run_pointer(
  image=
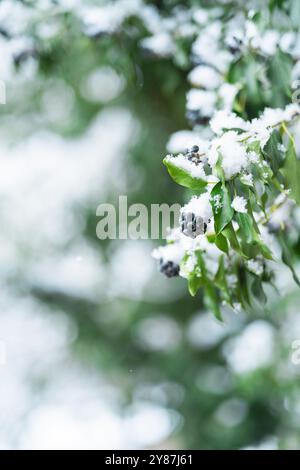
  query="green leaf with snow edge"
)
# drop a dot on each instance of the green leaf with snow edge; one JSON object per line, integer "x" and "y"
{"x": 194, "y": 283}
{"x": 197, "y": 278}
{"x": 221, "y": 243}
{"x": 221, "y": 206}
{"x": 183, "y": 177}
{"x": 230, "y": 235}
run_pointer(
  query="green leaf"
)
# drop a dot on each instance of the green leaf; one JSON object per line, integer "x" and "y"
{"x": 258, "y": 291}
{"x": 251, "y": 204}
{"x": 221, "y": 280}
{"x": 242, "y": 290}
{"x": 253, "y": 74}
{"x": 287, "y": 257}
{"x": 221, "y": 243}
{"x": 252, "y": 244}
{"x": 182, "y": 177}
{"x": 264, "y": 200}
{"x": 291, "y": 171}
{"x": 212, "y": 300}
{"x": 230, "y": 234}
{"x": 280, "y": 76}
{"x": 272, "y": 153}
{"x": 221, "y": 206}
{"x": 197, "y": 279}
{"x": 266, "y": 252}
{"x": 194, "y": 283}
{"x": 246, "y": 228}
{"x": 211, "y": 297}
{"x": 254, "y": 147}
{"x": 276, "y": 3}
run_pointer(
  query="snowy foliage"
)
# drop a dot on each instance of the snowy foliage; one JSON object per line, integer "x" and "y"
{"x": 238, "y": 152}
{"x": 242, "y": 159}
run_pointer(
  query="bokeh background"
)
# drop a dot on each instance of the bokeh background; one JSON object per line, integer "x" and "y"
{"x": 97, "y": 349}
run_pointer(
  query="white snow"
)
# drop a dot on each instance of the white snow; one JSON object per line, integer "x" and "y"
{"x": 239, "y": 204}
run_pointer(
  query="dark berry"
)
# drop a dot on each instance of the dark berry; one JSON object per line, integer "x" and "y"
{"x": 169, "y": 268}
{"x": 192, "y": 225}
{"x": 196, "y": 117}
